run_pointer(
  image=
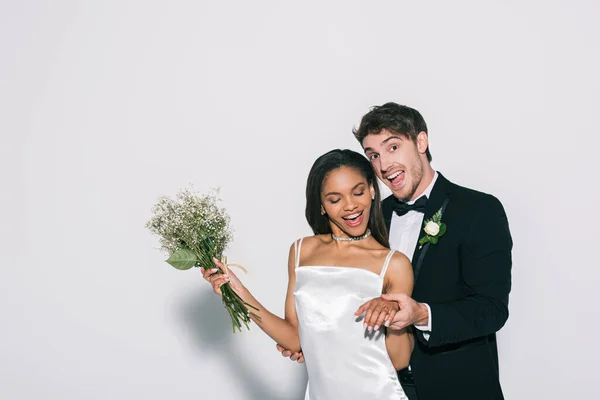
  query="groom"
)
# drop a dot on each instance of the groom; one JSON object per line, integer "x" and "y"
{"x": 462, "y": 275}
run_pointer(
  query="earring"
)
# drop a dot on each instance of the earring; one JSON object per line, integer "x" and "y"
{"x": 322, "y": 211}
{"x": 372, "y": 197}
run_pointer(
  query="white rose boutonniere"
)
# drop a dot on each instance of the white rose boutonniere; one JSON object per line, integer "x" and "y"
{"x": 434, "y": 228}
{"x": 431, "y": 228}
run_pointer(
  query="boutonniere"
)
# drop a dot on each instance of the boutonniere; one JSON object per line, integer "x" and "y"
{"x": 434, "y": 228}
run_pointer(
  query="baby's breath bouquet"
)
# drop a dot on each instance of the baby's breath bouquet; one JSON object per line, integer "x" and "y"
{"x": 193, "y": 229}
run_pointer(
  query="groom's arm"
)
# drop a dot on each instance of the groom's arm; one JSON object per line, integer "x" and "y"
{"x": 486, "y": 270}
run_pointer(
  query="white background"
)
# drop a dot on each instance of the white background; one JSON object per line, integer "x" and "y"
{"x": 107, "y": 105}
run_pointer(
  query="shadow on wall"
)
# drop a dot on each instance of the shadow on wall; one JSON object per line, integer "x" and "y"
{"x": 199, "y": 308}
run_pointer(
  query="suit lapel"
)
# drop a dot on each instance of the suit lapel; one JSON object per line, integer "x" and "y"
{"x": 437, "y": 200}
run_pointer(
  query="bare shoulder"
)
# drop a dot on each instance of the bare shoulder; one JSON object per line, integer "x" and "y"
{"x": 312, "y": 242}
{"x": 400, "y": 264}
{"x": 307, "y": 244}
{"x": 399, "y": 276}
{"x": 398, "y": 258}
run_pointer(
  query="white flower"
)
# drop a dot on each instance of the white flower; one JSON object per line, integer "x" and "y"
{"x": 432, "y": 228}
{"x": 191, "y": 221}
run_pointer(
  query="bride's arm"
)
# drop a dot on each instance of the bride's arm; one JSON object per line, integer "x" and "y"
{"x": 400, "y": 343}
{"x": 283, "y": 331}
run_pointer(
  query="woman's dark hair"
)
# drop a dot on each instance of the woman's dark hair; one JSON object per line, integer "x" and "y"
{"x": 322, "y": 167}
{"x": 401, "y": 120}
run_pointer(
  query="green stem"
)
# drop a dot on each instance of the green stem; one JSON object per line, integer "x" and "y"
{"x": 235, "y": 305}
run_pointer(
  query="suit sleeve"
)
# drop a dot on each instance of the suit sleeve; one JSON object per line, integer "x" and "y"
{"x": 485, "y": 258}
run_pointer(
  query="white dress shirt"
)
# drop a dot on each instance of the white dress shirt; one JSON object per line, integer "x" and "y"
{"x": 404, "y": 235}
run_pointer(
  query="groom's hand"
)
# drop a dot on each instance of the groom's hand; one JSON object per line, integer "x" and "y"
{"x": 294, "y": 357}
{"x": 411, "y": 312}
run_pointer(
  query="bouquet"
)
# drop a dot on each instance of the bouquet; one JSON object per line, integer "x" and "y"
{"x": 192, "y": 230}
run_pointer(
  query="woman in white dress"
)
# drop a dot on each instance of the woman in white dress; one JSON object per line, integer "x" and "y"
{"x": 345, "y": 267}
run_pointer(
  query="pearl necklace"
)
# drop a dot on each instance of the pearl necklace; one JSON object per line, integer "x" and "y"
{"x": 350, "y": 239}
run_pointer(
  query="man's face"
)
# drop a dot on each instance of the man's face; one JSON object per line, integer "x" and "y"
{"x": 397, "y": 161}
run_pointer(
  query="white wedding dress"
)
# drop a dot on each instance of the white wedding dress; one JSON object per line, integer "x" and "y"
{"x": 343, "y": 359}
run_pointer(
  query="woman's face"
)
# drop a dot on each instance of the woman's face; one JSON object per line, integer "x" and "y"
{"x": 346, "y": 198}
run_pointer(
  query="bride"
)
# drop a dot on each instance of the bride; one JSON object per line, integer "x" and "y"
{"x": 333, "y": 309}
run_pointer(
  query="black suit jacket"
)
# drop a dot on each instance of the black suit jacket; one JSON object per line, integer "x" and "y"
{"x": 465, "y": 278}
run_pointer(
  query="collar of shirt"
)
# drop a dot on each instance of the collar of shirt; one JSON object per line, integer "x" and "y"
{"x": 428, "y": 190}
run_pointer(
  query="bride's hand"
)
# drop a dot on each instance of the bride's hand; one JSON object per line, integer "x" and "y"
{"x": 299, "y": 357}
{"x": 378, "y": 312}
{"x": 217, "y": 278}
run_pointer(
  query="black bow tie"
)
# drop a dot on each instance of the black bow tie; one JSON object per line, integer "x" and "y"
{"x": 402, "y": 208}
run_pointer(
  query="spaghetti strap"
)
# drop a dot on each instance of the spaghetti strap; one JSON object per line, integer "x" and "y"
{"x": 297, "y": 248}
{"x": 387, "y": 262}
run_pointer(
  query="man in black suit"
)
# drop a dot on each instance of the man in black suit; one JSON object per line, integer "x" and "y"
{"x": 461, "y": 261}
